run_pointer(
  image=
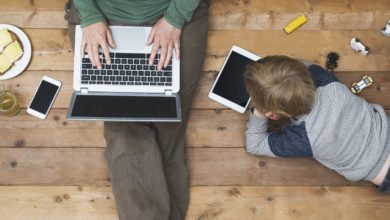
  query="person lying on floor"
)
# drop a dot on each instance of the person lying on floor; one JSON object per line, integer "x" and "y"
{"x": 327, "y": 121}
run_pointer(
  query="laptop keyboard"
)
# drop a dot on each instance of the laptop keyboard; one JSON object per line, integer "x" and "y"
{"x": 126, "y": 69}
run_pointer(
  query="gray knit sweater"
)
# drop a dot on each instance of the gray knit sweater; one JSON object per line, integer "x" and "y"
{"x": 343, "y": 132}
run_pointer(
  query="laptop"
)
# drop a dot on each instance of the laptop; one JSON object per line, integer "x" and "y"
{"x": 129, "y": 89}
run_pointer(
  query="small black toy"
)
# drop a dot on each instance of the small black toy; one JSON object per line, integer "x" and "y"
{"x": 331, "y": 61}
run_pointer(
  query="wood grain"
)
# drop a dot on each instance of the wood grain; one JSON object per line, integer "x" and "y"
{"x": 309, "y": 45}
{"x": 52, "y": 46}
{"x": 206, "y": 128}
{"x": 53, "y": 166}
{"x": 25, "y": 85}
{"x": 224, "y": 128}
{"x": 25, "y": 130}
{"x": 231, "y": 203}
{"x": 60, "y": 203}
{"x": 274, "y": 15}
{"x": 56, "y": 168}
{"x": 207, "y": 166}
{"x": 230, "y": 14}
{"x": 227, "y": 203}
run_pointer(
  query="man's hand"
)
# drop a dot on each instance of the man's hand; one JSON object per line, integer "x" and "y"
{"x": 95, "y": 36}
{"x": 166, "y": 37}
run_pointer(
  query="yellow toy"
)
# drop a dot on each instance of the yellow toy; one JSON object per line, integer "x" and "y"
{"x": 295, "y": 24}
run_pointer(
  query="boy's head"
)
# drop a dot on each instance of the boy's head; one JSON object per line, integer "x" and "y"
{"x": 280, "y": 86}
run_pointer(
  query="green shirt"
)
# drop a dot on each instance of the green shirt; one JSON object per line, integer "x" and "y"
{"x": 176, "y": 12}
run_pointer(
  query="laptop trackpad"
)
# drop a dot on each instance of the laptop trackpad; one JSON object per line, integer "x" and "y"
{"x": 129, "y": 38}
{"x": 117, "y": 106}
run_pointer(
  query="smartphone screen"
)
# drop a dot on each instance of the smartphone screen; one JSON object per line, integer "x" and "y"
{"x": 44, "y": 97}
{"x": 230, "y": 83}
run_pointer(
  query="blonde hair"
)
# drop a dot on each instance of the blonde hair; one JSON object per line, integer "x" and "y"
{"x": 280, "y": 84}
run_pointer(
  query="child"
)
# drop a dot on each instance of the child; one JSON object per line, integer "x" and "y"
{"x": 327, "y": 121}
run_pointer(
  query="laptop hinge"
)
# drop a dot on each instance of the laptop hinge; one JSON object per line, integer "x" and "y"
{"x": 83, "y": 90}
{"x": 168, "y": 92}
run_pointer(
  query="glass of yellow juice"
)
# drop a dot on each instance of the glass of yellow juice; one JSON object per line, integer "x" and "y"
{"x": 9, "y": 105}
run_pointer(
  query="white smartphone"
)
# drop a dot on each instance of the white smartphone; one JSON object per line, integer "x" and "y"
{"x": 44, "y": 97}
{"x": 229, "y": 87}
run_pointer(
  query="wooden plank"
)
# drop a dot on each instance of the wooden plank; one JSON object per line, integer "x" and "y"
{"x": 53, "y": 166}
{"x": 52, "y": 49}
{"x": 35, "y": 18}
{"x": 25, "y": 130}
{"x": 230, "y": 14}
{"x": 206, "y": 128}
{"x": 274, "y": 15}
{"x": 318, "y": 44}
{"x": 233, "y": 166}
{"x": 52, "y": 46}
{"x": 63, "y": 202}
{"x": 20, "y": 5}
{"x": 299, "y": 5}
{"x": 287, "y": 203}
{"x": 212, "y": 202}
{"x": 34, "y": 13}
{"x": 223, "y": 129}
{"x": 219, "y": 128}
{"x": 207, "y": 166}
{"x": 25, "y": 86}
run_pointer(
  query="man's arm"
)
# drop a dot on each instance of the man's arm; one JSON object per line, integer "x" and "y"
{"x": 180, "y": 11}
{"x": 165, "y": 34}
{"x": 89, "y": 12}
{"x": 95, "y": 31}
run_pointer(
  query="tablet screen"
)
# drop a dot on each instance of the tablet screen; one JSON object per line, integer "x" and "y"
{"x": 230, "y": 83}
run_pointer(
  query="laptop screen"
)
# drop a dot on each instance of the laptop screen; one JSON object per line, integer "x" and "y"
{"x": 124, "y": 106}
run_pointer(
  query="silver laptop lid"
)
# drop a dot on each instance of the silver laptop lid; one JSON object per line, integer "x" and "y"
{"x": 128, "y": 40}
{"x": 125, "y": 107}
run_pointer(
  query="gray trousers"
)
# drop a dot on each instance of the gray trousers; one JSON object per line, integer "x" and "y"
{"x": 147, "y": 161}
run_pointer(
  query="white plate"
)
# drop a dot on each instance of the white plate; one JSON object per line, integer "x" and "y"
{"x": 22, "y": 63}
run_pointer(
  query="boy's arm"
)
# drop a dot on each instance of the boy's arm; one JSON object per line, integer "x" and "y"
{"x": 292, "y": 141}
{"x": 89, "y": 12}
{"x": 321, "y": 76}
{"x": 256, "y": 136}
{"x": 180, "y": 11}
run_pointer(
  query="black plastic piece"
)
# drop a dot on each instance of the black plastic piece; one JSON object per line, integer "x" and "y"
{"x": 331, "y": 61}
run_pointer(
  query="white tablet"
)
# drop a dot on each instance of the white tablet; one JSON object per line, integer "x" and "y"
{"x": 229, "y": 87}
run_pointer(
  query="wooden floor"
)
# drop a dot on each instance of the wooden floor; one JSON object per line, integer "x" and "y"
{"x": 54, "y": 169}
